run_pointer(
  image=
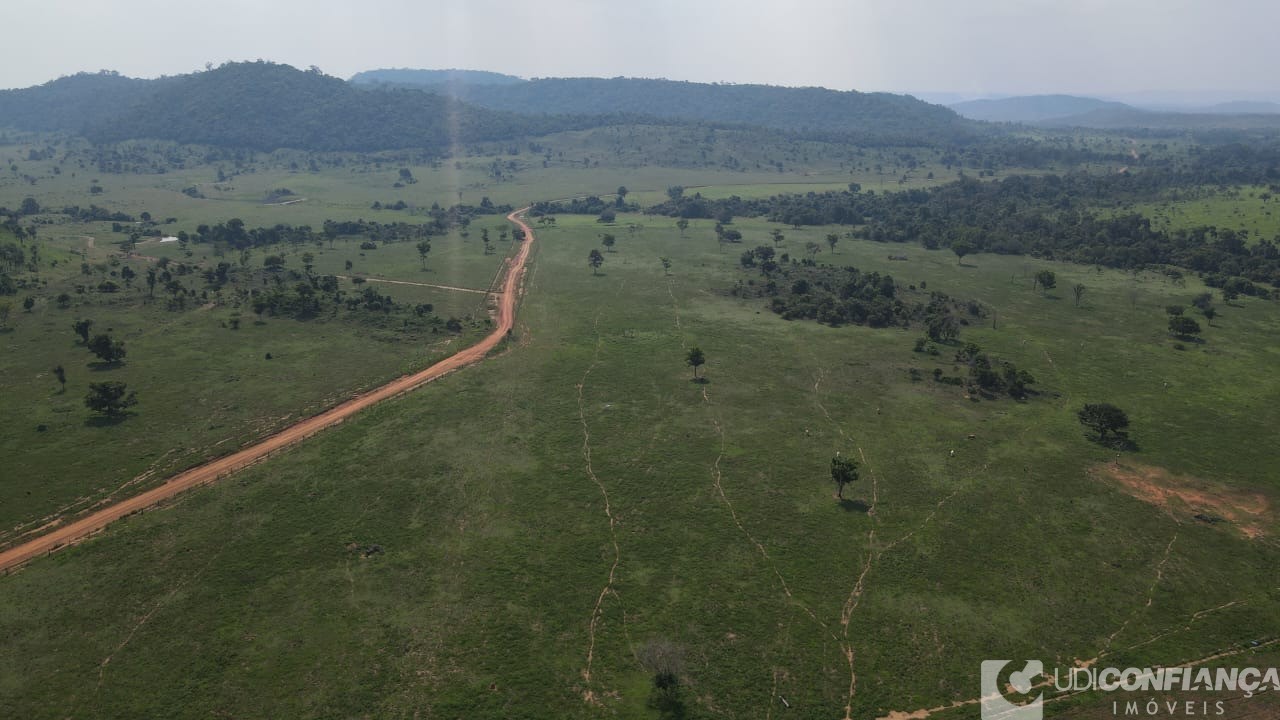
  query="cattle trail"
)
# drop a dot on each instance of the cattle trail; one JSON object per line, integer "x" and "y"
{"x": 588, "y": 694}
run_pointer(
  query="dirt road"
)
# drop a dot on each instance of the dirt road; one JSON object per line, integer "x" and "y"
{"x": 217, "y": 469}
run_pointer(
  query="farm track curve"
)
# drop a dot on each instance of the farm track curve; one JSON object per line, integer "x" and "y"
{"x": 77, "y": 530}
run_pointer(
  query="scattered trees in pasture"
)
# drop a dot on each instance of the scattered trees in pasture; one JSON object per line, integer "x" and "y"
{"x": 110, "y": 398}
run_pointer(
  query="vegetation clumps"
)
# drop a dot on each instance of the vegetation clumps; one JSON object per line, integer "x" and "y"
{"x": 590, "y": 205}
{"x": 807, "y": 290}
{"x": 990, "y": 377}
{"x": 110, "y": 398}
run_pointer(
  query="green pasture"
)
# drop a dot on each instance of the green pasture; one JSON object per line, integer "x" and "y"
{"x": 510, "y": 540}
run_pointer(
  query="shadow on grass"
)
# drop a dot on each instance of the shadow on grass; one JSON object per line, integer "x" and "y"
{"x": 100, "y": 366}
{"x": 668, "y": 704}
{"x": 700, "y": 381}
{"x": 105, "y": 420}
{"x": 859, "y": 506}
{"x": 6, "y": 330}
{"x": 1121, "y": 442}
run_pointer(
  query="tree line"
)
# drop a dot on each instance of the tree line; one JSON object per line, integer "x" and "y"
{"x": 1046, "y": 216}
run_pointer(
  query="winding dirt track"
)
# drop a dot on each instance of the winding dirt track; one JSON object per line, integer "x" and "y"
{"x": 222, "y": 467}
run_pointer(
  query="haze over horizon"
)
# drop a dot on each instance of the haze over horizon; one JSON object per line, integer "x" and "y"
{"x": 930, "y": 47}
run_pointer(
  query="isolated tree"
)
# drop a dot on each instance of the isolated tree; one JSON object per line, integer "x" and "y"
{"x": 621, "y": 198}
{"x": 664, "y": 659}
{"x": 424, "y": 247}
{"x": 1045, "y": 280}
{"x": 110, "y": 398}
{"x": 608, "y": 241}
{"x": 28, "y": 303}
{"x": 151, "y": 282}
{"x": 695, "y": 358}
{"x": 608, "y": 216}
{"x": 82, "y": 328}
{"x": 843, "y": 472}
{"x": 1183, "y": 326}
{"x": 1202, "y": 301}
{"x": 1209, "y": 314}
{"x": 6, "y": 307}
{"x": 1174, "y": 309}
{"x": 832, "y": 239}
{"x": 682, "y": 224}
{"x": 777, "y": 236}
{"x": 108, "y": 350}
{"x": 1103, "y": 418}
{"x": 308, "y": 262}
{"x": 666, "y": 265}
{"x": 813, "y": 249}
{"x": 595, "y": 260}
{"x": 61, "y": 374}
{"x": 961, "y": 248}
{"x": 1078, "y": 291}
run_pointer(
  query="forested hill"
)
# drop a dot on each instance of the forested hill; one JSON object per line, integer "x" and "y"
{"x": 874, "y": 118}
{"x": 264, "y": 106}
{"x": 66, "y": 103}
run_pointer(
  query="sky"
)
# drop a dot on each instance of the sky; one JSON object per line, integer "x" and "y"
{"x": 969, "y": 48}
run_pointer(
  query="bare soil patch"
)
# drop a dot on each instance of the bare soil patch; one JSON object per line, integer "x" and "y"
{"x": 1189, "y": 498}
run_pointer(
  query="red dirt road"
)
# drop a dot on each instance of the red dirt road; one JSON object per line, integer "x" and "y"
{"x": 222, "y": 467}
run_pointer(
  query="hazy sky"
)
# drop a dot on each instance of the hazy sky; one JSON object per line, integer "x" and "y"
{"x": 971, "y": 47}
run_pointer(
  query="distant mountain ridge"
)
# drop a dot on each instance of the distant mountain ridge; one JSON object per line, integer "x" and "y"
{"x": 1242, "y": 107}
{"x": 1086, "y": 112}
{"x": 876, "y": 117}
{"x": 1033, "y": 108}
{"x": 407, "y": 76}
{"x": 1128, "y": 117}
{"x": 263, "y": 105}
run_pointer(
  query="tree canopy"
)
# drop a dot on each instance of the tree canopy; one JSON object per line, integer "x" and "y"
{"x": 1103, "y": 418}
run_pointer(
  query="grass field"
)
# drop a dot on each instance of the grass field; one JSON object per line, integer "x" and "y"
{"x": 194, "y": 358}
{"x": 1250, "y": 209}
{"x": 542, "y": 518}
{"x": 205, "y": 384}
